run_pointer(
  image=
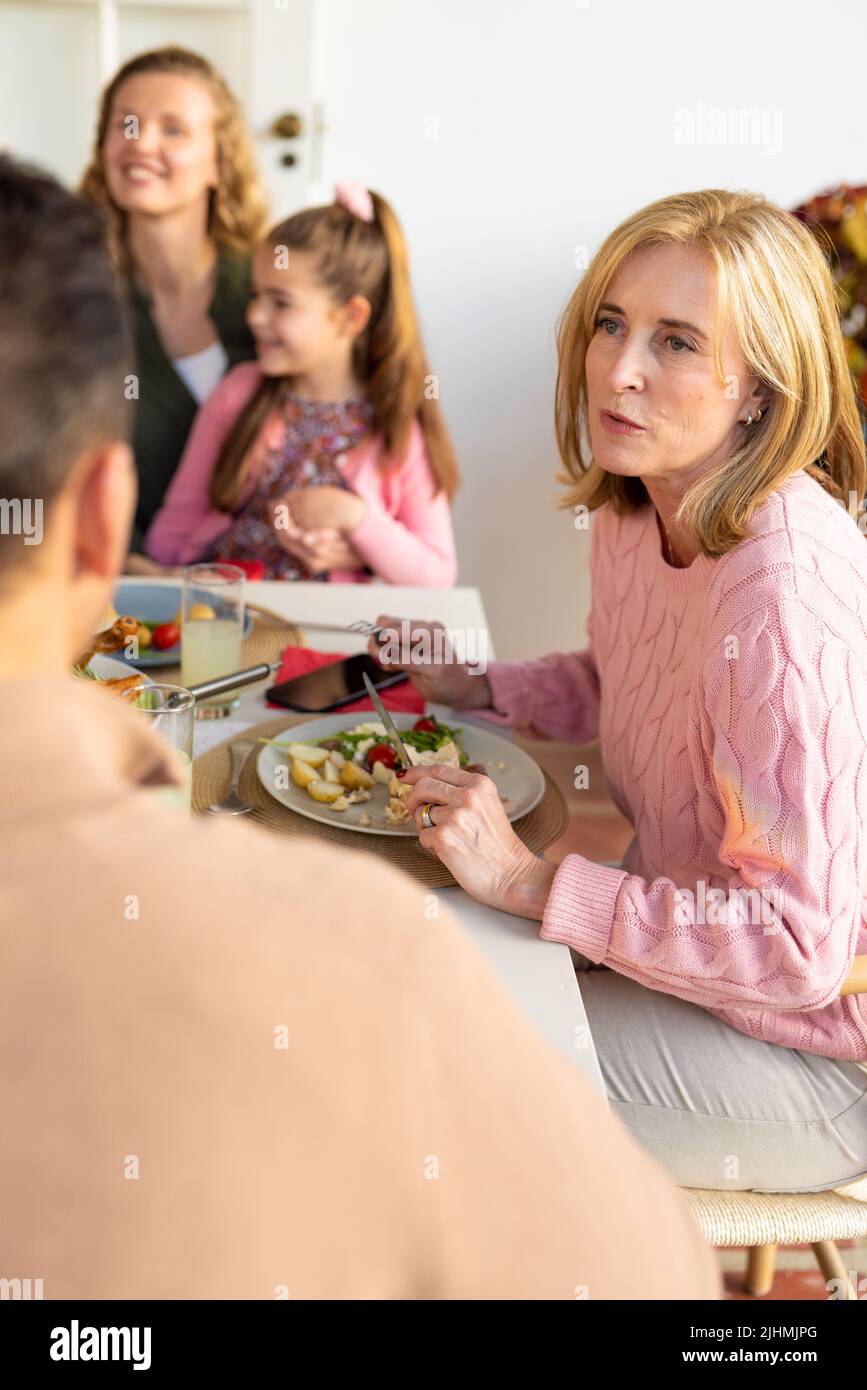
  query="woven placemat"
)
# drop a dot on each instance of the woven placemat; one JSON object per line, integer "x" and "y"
{"x": 268, "y": 637}
{"x": 211, "y": 775}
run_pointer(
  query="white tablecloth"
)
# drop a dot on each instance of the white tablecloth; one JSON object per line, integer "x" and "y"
{"x": 539, "y": 974}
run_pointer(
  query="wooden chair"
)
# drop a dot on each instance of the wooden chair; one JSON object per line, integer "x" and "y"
{"x": 764, "y": 1220}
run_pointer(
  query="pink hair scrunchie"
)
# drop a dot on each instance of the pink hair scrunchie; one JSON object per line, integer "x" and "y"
{"x": 356, "y": 199}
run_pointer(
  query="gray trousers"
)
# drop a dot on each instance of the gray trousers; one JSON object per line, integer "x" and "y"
{"x": 715, "y": 1107}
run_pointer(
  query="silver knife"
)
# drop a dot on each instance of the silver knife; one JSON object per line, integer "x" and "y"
{"x": 387, "y": 720}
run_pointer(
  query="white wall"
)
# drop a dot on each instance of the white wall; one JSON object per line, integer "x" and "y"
{"x": 555, "y": 120}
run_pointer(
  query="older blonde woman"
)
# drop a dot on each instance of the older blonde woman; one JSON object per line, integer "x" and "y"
{"x": 174, "y": 171}
{"x": 707, "y": 419}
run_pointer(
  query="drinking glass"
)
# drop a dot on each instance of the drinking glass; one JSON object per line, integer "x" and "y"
{"x": 169, "y": 708}
{"x": 212, "y": 625}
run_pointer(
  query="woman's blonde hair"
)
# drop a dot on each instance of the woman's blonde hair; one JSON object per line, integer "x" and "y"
{"x": 351, "y": 256}
{"x": 775, "y": 288}
{"x": 238, "y": 213}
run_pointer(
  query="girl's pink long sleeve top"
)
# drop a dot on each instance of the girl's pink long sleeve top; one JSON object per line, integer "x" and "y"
{"x": 730, "y": 699}
{"x": 406, "y": 536}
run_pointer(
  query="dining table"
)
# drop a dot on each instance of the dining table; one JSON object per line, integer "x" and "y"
{"x": 540, "y": 975}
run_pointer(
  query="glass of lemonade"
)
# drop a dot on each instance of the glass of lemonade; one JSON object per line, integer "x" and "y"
{"x": 212, "y": 625}
{"x": 170, "y": 710}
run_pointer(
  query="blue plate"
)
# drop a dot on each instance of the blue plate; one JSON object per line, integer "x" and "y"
{"x": 154, "y": 603}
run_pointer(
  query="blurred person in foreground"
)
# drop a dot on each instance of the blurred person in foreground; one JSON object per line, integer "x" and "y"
{"x": 234, "y": 1065}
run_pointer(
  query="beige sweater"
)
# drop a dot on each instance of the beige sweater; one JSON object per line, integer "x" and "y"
{"x": 414, "y": 1138}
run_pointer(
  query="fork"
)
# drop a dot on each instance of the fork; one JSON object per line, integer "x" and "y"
{"x": 232, "y": 805}
{"x": 361, "y": 626}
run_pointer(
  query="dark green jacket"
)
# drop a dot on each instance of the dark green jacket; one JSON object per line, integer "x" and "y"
{"x": 165, "y": 409}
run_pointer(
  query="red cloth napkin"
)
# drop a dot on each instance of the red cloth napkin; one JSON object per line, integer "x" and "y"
{"x": 253, "y": 569}
{"x": 296, "y": 661}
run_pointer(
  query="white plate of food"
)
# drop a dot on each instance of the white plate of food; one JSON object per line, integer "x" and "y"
{"x": 109, "y": 668}
{"x": 338, "y": 769}
{"x": 157, "y": 609}
{"x": 97, "y": 664}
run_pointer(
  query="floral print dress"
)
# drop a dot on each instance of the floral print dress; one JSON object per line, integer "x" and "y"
{"x": 313, "y": 434}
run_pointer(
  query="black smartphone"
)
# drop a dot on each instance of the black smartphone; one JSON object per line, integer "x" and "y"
{"x": 329, "y": 687}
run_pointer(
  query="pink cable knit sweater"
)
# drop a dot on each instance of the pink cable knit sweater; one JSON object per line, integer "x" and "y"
{"x": 730, "y": 699}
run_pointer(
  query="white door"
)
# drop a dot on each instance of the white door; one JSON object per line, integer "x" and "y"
{"x": 55, "y": 56}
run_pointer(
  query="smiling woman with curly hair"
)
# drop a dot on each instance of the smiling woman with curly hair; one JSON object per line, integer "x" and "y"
{"x": 173, "y": 169}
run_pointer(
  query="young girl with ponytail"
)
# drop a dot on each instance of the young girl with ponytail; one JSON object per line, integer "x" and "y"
{"x": 327, "y": 458}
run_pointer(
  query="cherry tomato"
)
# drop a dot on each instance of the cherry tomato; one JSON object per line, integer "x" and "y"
{"x": 165, "y": 636}
{"x": 382, "y": 753}
{"x": 425, "y": 725}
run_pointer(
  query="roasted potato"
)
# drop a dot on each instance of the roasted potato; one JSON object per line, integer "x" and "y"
{"x": 302, "y": 773}
{"x": 352, "y": 776}
{"x": 313, "y": 757}
{"x": 329, "y": 792}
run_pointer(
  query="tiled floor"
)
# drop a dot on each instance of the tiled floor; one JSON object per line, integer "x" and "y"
{"x": 597, "y": 829}
{"x": 796, "y": 1274}
{"x": 789, "y": 1285}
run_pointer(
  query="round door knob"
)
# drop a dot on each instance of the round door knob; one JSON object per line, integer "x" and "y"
{"x": 287, "y": 127}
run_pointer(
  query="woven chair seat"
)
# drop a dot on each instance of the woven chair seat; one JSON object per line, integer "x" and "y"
{"x": 776, "y": 1218}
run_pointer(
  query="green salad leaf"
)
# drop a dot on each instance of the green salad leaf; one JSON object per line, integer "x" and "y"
{"x": 424, "y": 740}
